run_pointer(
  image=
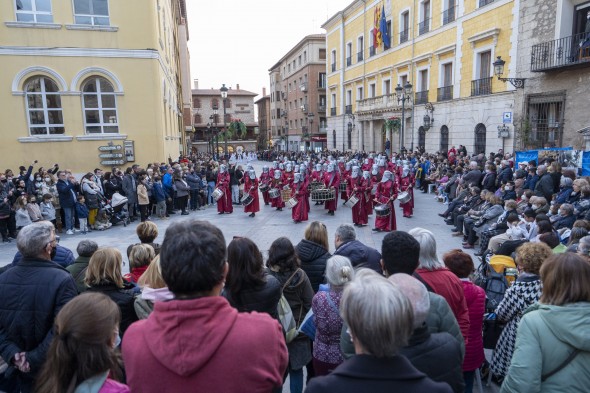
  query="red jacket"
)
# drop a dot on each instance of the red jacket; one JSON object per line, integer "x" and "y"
{"x": 476, "y": 300}
{"x": 447, "y": 284}
{"x": 204, "y": 345}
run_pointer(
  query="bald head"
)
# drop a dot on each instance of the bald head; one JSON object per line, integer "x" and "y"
{"x": 416, "y": 293}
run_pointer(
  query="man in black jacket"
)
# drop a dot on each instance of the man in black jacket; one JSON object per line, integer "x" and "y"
{"x": 359, "y": 254}
{"x": 544, "y": 186}
{"x": 31, "y": 295}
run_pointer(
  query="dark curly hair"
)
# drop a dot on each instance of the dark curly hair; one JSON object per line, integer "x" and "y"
{"x": 282, "y": 255}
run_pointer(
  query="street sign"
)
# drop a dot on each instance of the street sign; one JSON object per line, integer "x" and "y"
{"x": 507, "y": 118}
{"x": 112, "y": 162}
{"x": 111, "y": 155}
{"x": 110, "y": 148}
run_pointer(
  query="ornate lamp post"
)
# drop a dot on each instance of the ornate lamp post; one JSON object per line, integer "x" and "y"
{"x": 428, "y": 119}
{"x": 223, "y": 91}
{"x": 499, "y": 70}
{"x": 403, "y": 94}
{"x": 310, "y": 116}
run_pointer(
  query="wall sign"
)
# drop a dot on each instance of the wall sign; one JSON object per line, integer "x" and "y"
{"x": 129, "y": 151}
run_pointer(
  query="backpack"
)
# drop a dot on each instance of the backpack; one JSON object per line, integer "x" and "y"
{"x": 493, "y": 283}
{"x": 286, "y": 314}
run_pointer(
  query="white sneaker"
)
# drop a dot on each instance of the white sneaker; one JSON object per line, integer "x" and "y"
{"x": 76, "y": 230}
{"x": 70, "y": 232}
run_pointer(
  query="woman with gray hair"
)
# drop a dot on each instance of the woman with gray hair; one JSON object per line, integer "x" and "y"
{"x": 378, "y": 329}
{"x": 438, "y": 279}
{"x": 584, "y": 246}
{"x": 326, "y": 314}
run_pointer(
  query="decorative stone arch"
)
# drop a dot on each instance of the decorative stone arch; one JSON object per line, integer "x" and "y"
{"x": 96, "y": 71}
{"x": 18, "y": 88}
{"x": 444, "y": 139}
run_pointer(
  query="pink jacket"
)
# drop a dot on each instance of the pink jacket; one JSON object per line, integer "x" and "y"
{"x": 476, "y": 299}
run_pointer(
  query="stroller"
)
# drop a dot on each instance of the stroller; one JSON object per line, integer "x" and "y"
{"x": 116, "y": 209}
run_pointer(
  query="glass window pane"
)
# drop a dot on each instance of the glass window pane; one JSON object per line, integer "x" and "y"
{"x": 90, "y": 86}
{"x": 34, "y": 101}
{"x": 83, "y": 20}
{"x": 44, "y": 18}
{"x": 20, "y": 17}
{"x": 37, "y": 117}
{"x": 38, "y": 131}
{"x": 82, "y": 6}
{"x": 50, "y": 86}
{"x": 108, "y": 101}
{"x": 34, "y": 85}
{"x": 92, "y": 117}
{"x": 111, "y": 129}
{"x": 93, "y": 130}
{"x": 57, "y": 130}
{"x": 90, "y": 101}
{"x": 53, "y": 101}
{"x": 24, "y": 5}
{"x": 105, "y": 86}
{"x": 100, "y": 7}
{"x": 43, "y": 5}
{"x": 55, "y": 117}
{"x": 109, "y": 116}
{"x": 101, "y": 21}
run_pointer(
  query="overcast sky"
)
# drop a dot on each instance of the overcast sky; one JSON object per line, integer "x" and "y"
{"x": 237, "y": 41}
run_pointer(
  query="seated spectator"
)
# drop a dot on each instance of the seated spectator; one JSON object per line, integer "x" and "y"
{"x": 104, "y": 275}
{"x": 139, "y": 259}
{"x": 523, "y": 204}
{"x": 147, "y": 232}
{"x": 378, "y": 329}
{"x": 22, "y": 216}
{"x": 566, "y": 217}
{"x": 82, "y": 354}
{"x": 565, "y": 190}
{"x": 194, "y": 339}
{"x": 153, "y": 289}
{"x": 248, "y": 286}
{"x": 359, "y": 254}
{"x": 85, "y": 250}
{"x": 461, "y": 265}
{"x": 582, "y": 204}
{"x": 438, "y": 279}
{"x": 584, "y": 247}
{"x": 553, "y": 334}
{"x": 508, "y": 192}
{"x": 576, "y": 234}
{"x": 552, "y": 240}
{"x": 539, "y": 205}
{"x": 313, "y": 251}
{"x": 33, "y": 209}
{"x": 474, "y": 229}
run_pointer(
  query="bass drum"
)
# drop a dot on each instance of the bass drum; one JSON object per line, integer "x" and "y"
{"x": 217, "y": 194}
{"x": 322, "y": 195}
{"x": 382, "y": 210}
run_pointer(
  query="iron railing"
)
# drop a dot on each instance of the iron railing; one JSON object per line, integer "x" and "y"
{"x": 481, "y": 87}
{"x": 349, "y": 61}
{"x": 348, "y": 109}
{"x": 449, "y": 15}
{"x": 424, "y": 26}
{"x": 421, "y": 97}
{"x": 483, "y": 3}
{"x": 359, "y": 56}
{"x": 332, "y": 111}
{"x": 321, "y": 108}
{"x": 563, "y": 52}
{"x": 444, "y": 93}
{"x": 404, "y": 35}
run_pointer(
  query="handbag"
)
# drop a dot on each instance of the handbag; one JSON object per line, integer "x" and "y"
{"x": 308, "y": 325}
{"x": 492, "y": 329}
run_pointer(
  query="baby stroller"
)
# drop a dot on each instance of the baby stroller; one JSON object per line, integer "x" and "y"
{"x": 116, "y": 209}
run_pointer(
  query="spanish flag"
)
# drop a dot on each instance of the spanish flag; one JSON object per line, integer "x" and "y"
{"x": 377, "y": 39}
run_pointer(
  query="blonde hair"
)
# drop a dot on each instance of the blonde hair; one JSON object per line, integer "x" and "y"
{"x": 530, "y": 256}
{"x": 141, "y": 255}
{"x": 104, "y": 268}
{"x": 152, "y": 277}
{"x": 147, "y": 231}
{"x": 317, "y": 232}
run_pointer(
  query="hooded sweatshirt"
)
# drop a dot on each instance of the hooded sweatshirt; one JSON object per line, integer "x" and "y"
{"x": 547, "y": 335}
{"x": 204, "y": 345}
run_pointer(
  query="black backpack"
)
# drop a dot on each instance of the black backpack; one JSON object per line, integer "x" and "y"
{"x": 494, "y": 284}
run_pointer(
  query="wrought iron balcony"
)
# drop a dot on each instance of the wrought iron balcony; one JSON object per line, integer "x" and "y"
{"x": 444, "y": 93}
{"x": 322, "y": 108}
{"x": 349, "y": 61}
{"x": 359, "y": 56}
{"x": 348, "y": 109}
{"x": 424, "y": 26}
{"x": 421, "y": 97}
{"x": 332, "y": 111}
{"x": 481, "y": 87}
{"x": 449, "y": 15}
{"x": 404, "y": 35}
{"x": 573, "y": 51}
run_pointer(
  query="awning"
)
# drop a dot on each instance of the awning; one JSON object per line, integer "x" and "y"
{"x": 319, "y": 139}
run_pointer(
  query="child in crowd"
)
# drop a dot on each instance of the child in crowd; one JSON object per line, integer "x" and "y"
{"x": 21, "y": 214}
{"x": 33, "y": 209}
{"x": 82, "y": 211}
{"x": 160, "y": 196}
{"x": 47, "y": 209}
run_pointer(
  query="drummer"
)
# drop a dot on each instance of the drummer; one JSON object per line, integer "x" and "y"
{"x": 300, "y": 193}
{"x": 317, "y": 176}
{"x": 375, "y": 180}
{"x": 332, "y": 183}
{"x": 386, "y": 193}
{"x": 357, "y": 186}
{"x": 277, "y": 183}
{"x": 288, "y": 175}
{"x": 251, "y": 189}
{"x": 224, "y": 204}
{"x": 344, "y": 176}
{"x": 265, "y": 180}
{"x": 406, "y": 184}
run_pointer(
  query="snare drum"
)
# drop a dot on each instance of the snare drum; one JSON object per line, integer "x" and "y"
{"x": 264, "y": 187}
{"x": 342, "y": 186}
{"x": 322, "y": 195}
{"x": 382, "y": 210}
{"x": 314, "y": 185}
{"x": 286, "y": 194}
{"x": 353, "y": 200}
{"x": 404, "y": 197}
{"x": 274, "y": 193}
{"x": 217, "y": 194}
{"x": 247, "y": 199}
{"x": 291, "y": 202}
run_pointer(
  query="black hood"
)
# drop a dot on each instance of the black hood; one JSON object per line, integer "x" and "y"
{"x": 309, "y": 251}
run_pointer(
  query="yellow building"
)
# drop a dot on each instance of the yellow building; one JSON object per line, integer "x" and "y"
{"x": 445, "y": 49}
{"x": 81, "y": 74}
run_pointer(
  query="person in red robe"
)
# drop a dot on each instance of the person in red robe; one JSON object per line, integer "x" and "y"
{"x": 386, "y": 193}
{"x": 288, "y": 175}
{"x": 317, "y": 176}
{"x": 265, "y": 178}
{"x": 299, "y": 192}
{"x": 331, "y": 182}
{"x": 224, "y": 204}
{"x": 381, "y": 165}
{"x": 366, "y": 165}
{"x": 374, "y": 182}
{"x": 358, "y": 186}
{"x": 344, "y": 175}
{"x": 407, "y": 185}
{"x": 277, "y": 182}
{"x": 251, "y": 188}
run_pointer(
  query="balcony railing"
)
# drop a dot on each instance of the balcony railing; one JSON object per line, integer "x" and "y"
{"x": 349, "y": 61}
{"x": 333, "y": 67}
{"x": 449, "y": 15}
{"x": 444, "y": 93}
{"x": 321, "y": 108}
{"x": 424, "y": 26}
{"x": 304, "y": 108}
{"x": 348, "y": 109}
{"x": 386, "y": 102}
{"x": 303, "y": 86}
{"x": 421, "y": 97}
{"x": 483, "y": 3}
{"x": 359, "y": 56}
{"x": 403, "y": 35}
{"x": 332, "y": 111}
{"x": 371, "y": 51}
{"x": 323, "y": 129}
{"x": 564, "y": 52}
{"x": 322, "y": 84}
{"x": 481, "y": 87}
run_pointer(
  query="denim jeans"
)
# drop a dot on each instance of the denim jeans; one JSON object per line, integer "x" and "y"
{"x": 468, "y": 378}
{"x": 69, "y": 212}
{"x": 210, "y": 188}
{"x": 235, "y": 193}
{"x": 296, "y": 380}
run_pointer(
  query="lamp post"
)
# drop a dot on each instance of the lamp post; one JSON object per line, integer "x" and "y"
{"x": 518, "y": 83}
{"x": 428, "y": 119}
{"x": 209, "y": 139}
{"x": 310, "y": 116}
{"x": 223, "y": 90}
{"x": 403, "y": 94}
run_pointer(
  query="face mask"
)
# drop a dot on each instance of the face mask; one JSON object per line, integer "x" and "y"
{"x": 535, "y": 206}
{"x": 47, "y": 179}
{"x": 508, "y": 188}
{"x": 38, "y": 179}
{"x": 53, "y": 252}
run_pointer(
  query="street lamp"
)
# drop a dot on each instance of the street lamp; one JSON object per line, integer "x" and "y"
{"x": 310, "y": 116}
{"x": 223, "y": 91}
{"x": 209, "y": 139}
{"x": 499, "y": 70}
{"x": 403, "y": 94}
{"x": 428, "y": 120}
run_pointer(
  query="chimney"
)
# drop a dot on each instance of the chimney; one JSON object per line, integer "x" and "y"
{"x": 238, "y": 86}
{"x": 264, "y": 91}
{"x": 196, "y": 83}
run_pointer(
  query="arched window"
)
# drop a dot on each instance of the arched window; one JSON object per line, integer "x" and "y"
{"x": 44, "y": 110}
{"x": 99, "y": 105}
{"x": 421, "y": 138}
{"x": 480, "y": 139}
{"x": 444, "y": 139}
{"x": 214, "y": 103}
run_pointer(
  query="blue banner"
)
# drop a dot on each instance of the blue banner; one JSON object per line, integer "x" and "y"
{"x": 558, "y": 148}
{"x": 526, "y": 156}
{"x": 586, "y": 163}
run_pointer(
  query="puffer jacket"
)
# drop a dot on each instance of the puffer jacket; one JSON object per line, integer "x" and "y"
{"x": 261, "y": 299}
{"x": 125, "y": 298}
{"x": 475, "y": 298}
{"x": 313, "y": 261}
{"x": 360, "y": 255}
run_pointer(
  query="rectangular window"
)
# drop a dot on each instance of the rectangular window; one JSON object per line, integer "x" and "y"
{"x": 386, "y": 87}
{"x": 404, "y": 29}
{"x": 322, "y": 54}
{"x": 322, "y": 80}
{"x": 299, "y": 61}
{"x": 448, "y": 74}
{"x": 304, "y": 56}
{"x": 360, "y": 46}
{"x": 372, "y": 91}
{"x": 485, "y": 61}
{"x": 37, "y": 11}
{"x": 333, "y": 60}
{"x": 359, "y": 93}
{"x": 348, "y": 54}
{"x": 91, "y": 12}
